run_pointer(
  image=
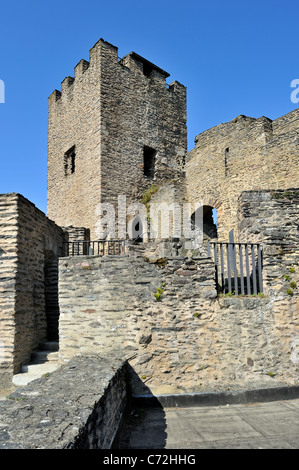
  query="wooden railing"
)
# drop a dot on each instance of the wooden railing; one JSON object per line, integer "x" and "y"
{"x": 238, "y": 267}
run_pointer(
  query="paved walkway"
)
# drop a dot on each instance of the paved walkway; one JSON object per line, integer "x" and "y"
{"x": 271, "y": 425}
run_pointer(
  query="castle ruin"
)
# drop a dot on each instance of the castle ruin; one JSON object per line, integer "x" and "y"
{"x": 117, "y": 129}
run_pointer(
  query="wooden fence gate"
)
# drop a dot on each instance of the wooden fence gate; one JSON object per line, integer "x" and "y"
{"x": 238, "y": 267}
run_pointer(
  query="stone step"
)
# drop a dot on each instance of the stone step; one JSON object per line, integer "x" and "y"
{"x": 38, "y": 368}
{"x": 43, "y": 361}
{"x": 32, "y": 372}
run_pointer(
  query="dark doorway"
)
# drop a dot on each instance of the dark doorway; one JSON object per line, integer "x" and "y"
{"x": 51, "y": 295}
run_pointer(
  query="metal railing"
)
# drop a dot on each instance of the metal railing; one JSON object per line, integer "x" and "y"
{"x": 238, "y": 267}
{"x": 97, "y": 247}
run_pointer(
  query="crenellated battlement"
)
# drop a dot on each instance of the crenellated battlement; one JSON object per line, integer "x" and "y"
{"x": 56, "y": 95}
{"x": 81, "y": 68}
{"x": 67, "y": 83}
{"x": 95, "y": 57}
{"x": 104, "y": 54}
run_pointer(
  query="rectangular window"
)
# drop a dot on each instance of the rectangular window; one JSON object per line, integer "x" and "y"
{"x": 69, "y": 161}
{"x": 149, "y": 157}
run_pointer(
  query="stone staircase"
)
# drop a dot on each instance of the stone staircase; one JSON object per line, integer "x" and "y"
{"x": 43, "y": 361}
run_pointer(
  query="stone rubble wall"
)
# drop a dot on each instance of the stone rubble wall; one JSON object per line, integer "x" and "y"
{"x": 109, "y": 304}
{"x": 186, "y": 341}
{"x": 73, "y": 236}
{"x": 78, "y": 406}
{"x": 76, "y": 234}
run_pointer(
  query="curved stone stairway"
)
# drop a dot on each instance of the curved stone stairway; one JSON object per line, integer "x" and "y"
{"x": 43, "y": 361}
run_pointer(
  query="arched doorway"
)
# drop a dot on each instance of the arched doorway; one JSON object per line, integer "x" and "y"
{"x": 204, "y": 222}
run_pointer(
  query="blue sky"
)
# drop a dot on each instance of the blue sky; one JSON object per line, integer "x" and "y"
{"x": 234, "y": 57}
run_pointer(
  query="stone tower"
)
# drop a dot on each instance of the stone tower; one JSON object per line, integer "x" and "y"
{"x": 114, "y": 129}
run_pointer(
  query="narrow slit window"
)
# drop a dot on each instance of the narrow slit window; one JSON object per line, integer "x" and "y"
{"x": 70, "y": 161}
{"x": 149, "y": 158}
{"x": 226, "y": 159}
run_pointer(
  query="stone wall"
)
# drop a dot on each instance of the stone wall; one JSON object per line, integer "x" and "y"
{"x": 79, "y": 406}
{"x": 271, "y": 218}
{"x": 28, "y": 241}
{"x": 243, "y": 154}
{"x": 109, "y": 304}
{"x": 8, "y": 269}
{"x": 108, "y": 113}
{"x": 164, "y": 317}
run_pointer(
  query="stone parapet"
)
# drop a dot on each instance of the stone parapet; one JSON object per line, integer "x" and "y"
{"x": 79, "y": 406}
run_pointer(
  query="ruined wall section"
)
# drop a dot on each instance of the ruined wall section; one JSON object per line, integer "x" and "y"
{"x": 166, "y": 211}
{"x": 109, "y": 112}
{"x": 243, "y": 154}
{"x": 28, "y": 239}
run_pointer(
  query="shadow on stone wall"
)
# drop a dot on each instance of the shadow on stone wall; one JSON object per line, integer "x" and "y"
{"x": 145, "y": 424}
